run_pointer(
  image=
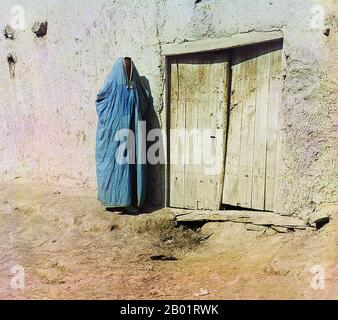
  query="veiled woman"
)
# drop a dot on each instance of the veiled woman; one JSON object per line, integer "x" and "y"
{"x": 121, "y": 105}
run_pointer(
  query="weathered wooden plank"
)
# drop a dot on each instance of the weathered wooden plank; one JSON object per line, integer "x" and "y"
{"x": 203, "y": 104}
{"x": 219, "y": 86}
{"x": 261, "y": 123}
{"x": 213, "y": 144}
{"x": 191, "y": 172}
{"x": 177, "y": 142}
{"x": 231, "y": 174}
{"x": 247, "y": 131}
{"x": 173, "y": 115}
{"x": 220, "y": 43}
{"x": 273, "y": 130}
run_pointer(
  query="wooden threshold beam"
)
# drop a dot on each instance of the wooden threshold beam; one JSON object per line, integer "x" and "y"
{"x": 261, "y": 218}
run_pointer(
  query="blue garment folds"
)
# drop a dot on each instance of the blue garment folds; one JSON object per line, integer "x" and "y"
{"x": 121, "y": 105}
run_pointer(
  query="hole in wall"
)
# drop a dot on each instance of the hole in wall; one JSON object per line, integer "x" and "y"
{"x": 40, "y": 28}
{"x": 9, "y": 32}
{"x": 11, "y": 59}
{"x": 322, "y": 222}
{"x": 326, "y": 32}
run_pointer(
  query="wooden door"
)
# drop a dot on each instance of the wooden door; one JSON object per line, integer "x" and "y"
{"x": 198, "y": 90}
{"x": 252, "y": 142}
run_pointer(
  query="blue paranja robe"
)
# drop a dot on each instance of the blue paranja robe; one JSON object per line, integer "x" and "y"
{"x": 121, "y": 104}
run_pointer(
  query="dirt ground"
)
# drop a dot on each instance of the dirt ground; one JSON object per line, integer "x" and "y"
{"x": 70, "y": 247}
